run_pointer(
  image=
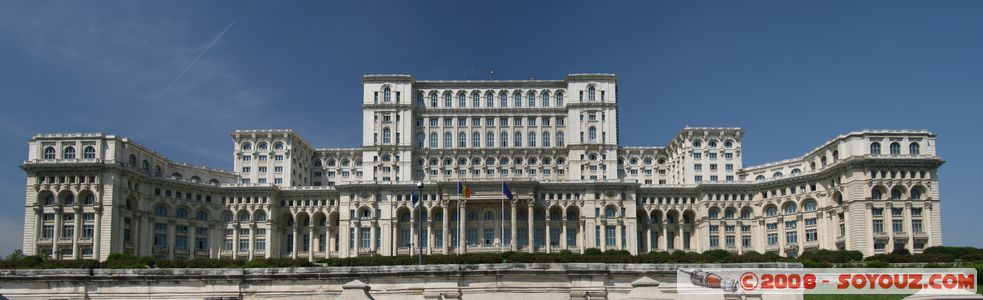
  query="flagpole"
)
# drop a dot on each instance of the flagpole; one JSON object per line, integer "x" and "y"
{"x": 501, "y": 245}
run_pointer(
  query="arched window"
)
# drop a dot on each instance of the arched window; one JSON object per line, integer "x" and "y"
{"x": 176, "y": 175}
{"x": 260, "y": 216}
{"x": 69, "y": 153}
{"x": 243, "y": 216}
{"x": 489, "y": 216}
{"x": 247, "y": 146}
{"x": 90, "y": 152}
{"x": 202, "y": 215}
{"x": 503, "y": 99}
{"x": 505, "y": 139}
{"x": 49, "y": 200}
{"x": 518, "y": 139}
{"x": 777, "y": 174}
{"x": 475, "y": 99}
{"x": 476, "y": 139}
{"x": 713, "y": 214}
{"x": 462, "y": 100}
{"x": 809, "y": 206}
{"x": 913, "y": 148}
{"x": 789, "y": 208}
{"x": 745, "y": 213}
{"x": 609, "y": 212}
{"x": 69, "y": 199}
{"x": 559, "y": 99}
{"x": 448, "y": 140}
{"x": 263, "y": 146}
{"x": 796, "y": 171}
{"x": 875, "y": 194}
{"x": 146, "y": 165}
{"x": 729, "y": 213}
{"x": 195, "y": 179}
{"x": 433, "y": 140}
{"x": 489, "y": 99}
{"x": 895, "y": 148}
{"x": 590, "y": 93}
{"x": 771, "y": 211}
{"x": 875, "y": 148}
{"x": 90, "y": 199}
{"x": 532, "y": 139}
{"x": 227, "y": 217}
{"x": 916, "y": 194}
{"x": 386, "y": 136}
{"x": 419, "y": 100}
{"x": 545, "y": 96}
{"x": 158, "y": 172}
{"x": 448, "y": 99}
{"x": 592, "y": 134}
{"x": 386, "y": 95}
{"x": 546, "y": 139}
{"x": 160, "y": 211}
{"x": 420, "y": 140}
{"x": 182, "y": 213}
{"x": 517, "y": 99}
{"x": 531, "y": 98}
{"x": 559, "y": 139}
{"x": 462, "y": 139}
{"x": 836, "y": 155}
{"x": 896, "y": 194}
{"x": 472, "y": 216}
{"x": 433, "y": 99}
{"x": 278, "y": 146}
{"x": 490, "y": 139}
{"x": 49, "y": 153}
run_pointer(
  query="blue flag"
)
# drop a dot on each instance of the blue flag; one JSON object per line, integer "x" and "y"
{"x": 414, "y": 198}
{"x": 506, "y": 191}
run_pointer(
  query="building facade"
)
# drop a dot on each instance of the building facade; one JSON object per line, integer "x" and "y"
{"x": 553, "y": 142}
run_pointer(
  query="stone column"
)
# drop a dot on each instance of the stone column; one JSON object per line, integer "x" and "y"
{"x": 170, "y": 239}
{"x": 56, "y": 233}
{"x": 515, "y": 227}
{"x": 461, "y": 221}
{"x": 445, "y": 230}
{"x": 648, "y": 238}
{"x": 296, "y": 233}
{"x": 604, "y": 236}
{"x": 430, "y": 236}
{"x": 618, "y": 230}
{"x": 97, "y": 235}
{"x": 310, "y": 243}
{"x": 663, "y": 241}
{"x": 563, "y": 229}
{"x": 531, "y": 220}
{"x": 549, "y": 236}
{"x": 77, "y": 233}
{"x": 252, "y": 240}
{"x": 414, "y": 239}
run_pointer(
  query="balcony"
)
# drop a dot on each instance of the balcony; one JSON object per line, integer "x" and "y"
{"x": 900, "y": 236}
{"x": 811, "y": 245}
{"x": 791, "y": 247}
{"x": 880, "y": 235}
{"x": 840, "y": 240}
{"x": 920, "y": 235}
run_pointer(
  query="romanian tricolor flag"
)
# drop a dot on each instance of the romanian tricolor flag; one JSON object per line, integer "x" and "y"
{"x": 463, "y": 190}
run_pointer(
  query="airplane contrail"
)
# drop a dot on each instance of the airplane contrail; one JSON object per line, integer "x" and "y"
{"x": 202, "y": 53}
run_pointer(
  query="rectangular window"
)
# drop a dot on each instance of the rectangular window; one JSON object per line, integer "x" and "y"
{"x": 772, "y": 239}
{"x": 916, "y": 226}
{"x": 878, "y": 226}
{"x": 609, "y": 235}
{"x": 746, "y": 241}
{"x": 811, "y": 235}
{"x": 897, "y": 225}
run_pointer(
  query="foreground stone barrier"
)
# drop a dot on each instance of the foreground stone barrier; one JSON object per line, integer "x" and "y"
{"x": 477, "y": 282}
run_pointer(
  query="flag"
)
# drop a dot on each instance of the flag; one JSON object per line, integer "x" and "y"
{"x": 506, "y": 191}
{"x": 414, "y": 198}
{"x": 464, "y": 190}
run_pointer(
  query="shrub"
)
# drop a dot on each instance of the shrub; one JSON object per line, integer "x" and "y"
{"x": 126, "y": 261}
{"x": 592, "y": 251}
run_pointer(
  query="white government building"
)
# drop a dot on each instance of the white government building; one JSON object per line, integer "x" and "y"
{"x": 554, "y": 142}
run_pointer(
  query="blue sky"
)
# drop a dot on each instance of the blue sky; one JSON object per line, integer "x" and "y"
{"x": 794, "y": 74}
